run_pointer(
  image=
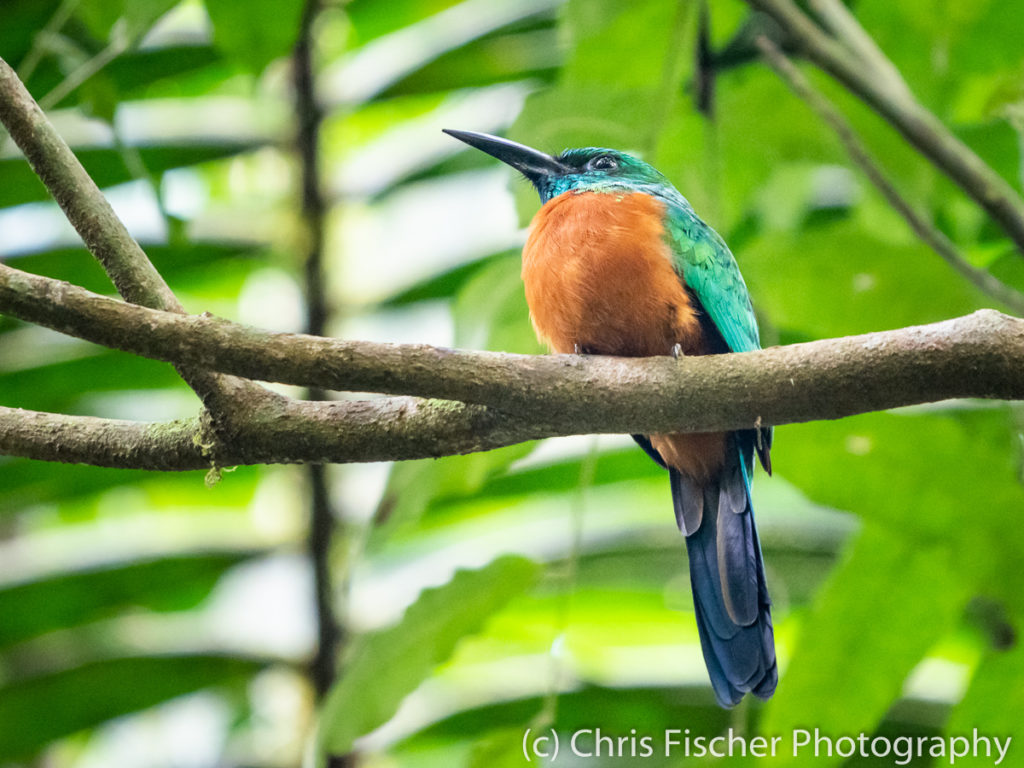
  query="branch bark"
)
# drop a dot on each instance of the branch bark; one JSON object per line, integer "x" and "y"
{"x": 81, "y": 200}
{"x": 282, "y": 432}
{"x": 523, "y": 396}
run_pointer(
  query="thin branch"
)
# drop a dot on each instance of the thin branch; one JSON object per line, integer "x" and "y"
{"x": 322, "y": 522}
{"x": 935, "y": 239}
{"x": 284, "y": 432}
{"x": 844, "y": 25}
{"x": 79, "y": 197}
{"x": 918, "y": 125}
{"x": 980, "y": 355}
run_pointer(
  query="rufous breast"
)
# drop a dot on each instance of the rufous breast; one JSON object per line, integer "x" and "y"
{"x": 599, "y": 277}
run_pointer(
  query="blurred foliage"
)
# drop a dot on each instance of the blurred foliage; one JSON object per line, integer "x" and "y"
{"x": 899, "y": 617}
{"x": 383, "y": 667}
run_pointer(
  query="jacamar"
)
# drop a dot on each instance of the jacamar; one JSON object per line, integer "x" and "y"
{"x": 618, "y": 263}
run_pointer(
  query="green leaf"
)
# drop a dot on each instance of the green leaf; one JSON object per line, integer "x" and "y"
{"x": 606, "y": 33}
{"x": 256, "y": 32}
{"x": 414, "y": 486}
{"x": 171, "y": 71}
{"x": 191, "y": 264}
{"x": 496, "y": 58}
{"x": 941, "y": 459}
{"x": 37, "y": 710}
{"x": 498, "y": 748}
{"x": 107, "y": 166}
{"x": 881, "y": 611}
{"x": 62, "y": 386}
{"x": 66, "y": 600}
{"x": 375, "y": 18}
{"x": 36, "y": 483}
{"x": 998, "y": 144}
{"x": 28, "y": 483}
{"x": 872, "y": 284}
{"x": 994, "y": 699}
{"x": 460, "y": 162}
{"x": 22, "y": 20}
{"x": 387, "y": 665}
{"x": 444, "y": 285}
{"x": 649, "y": 710}
{"x": 610, "y": 467}
{"x": 491, "y": 310}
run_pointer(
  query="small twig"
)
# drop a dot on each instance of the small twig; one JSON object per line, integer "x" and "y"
{"x": 922, "y": 129}
{"x": 929, "y": 234}
{"x": 844, "y": 25}
{"x": 42, "y": 38}
{"x": 86, "y": 70}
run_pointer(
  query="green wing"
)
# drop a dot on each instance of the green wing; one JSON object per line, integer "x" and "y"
{"x": 708, "y": 267}
{"x": 710, "y": 270}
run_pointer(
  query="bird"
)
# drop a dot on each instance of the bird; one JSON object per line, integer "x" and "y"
{"x": 617, "y": 262}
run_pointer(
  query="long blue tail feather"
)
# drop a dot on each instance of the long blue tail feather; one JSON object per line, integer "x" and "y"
{"x": 727, "y": 576}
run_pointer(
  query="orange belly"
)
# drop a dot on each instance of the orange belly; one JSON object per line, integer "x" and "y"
{"x": 599, "y": 279}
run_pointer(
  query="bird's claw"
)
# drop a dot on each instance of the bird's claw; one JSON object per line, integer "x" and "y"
{"x": 677, "y": 350}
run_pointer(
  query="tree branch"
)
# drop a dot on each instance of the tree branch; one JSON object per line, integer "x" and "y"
{"x": 841, "y": 22}
{"x": 81, "y": 200}
{"x": 282, "y": 432}
{"x": 929, "y": 234}
{"x": 918, "y": 125}
{"x": 533, "y": 396}
{"x": 980, "y": 355}
{"x": 106, "y": 236}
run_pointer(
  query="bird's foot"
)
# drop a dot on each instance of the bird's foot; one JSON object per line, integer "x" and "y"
{"x": 677, "y": 350}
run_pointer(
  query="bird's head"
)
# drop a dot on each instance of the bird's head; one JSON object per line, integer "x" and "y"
{"x": 591, "y": 168}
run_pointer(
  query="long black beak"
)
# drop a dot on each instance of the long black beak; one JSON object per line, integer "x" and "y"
{"x": 532, "y": 164}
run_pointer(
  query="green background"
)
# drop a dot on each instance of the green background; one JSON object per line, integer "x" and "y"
{"x": 535, "y": 586}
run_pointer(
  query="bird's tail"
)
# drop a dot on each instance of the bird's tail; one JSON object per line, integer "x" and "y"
{"x": 727, "y": 576}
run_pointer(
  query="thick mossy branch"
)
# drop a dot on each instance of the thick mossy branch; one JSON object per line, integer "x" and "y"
{"x": 489, "y": 399}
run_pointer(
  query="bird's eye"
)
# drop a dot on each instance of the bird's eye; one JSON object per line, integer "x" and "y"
{"x": 603, "y": 163}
